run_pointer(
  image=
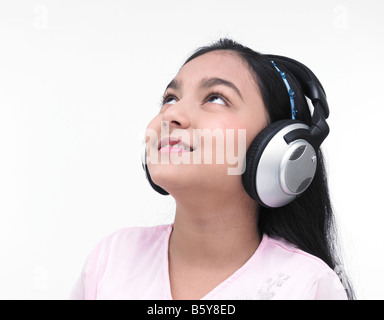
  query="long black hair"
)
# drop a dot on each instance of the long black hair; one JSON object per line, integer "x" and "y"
{"x": 308, "y": 222}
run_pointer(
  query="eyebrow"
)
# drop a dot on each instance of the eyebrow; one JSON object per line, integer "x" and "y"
{"x": 174, "y": 84}
{"x": 208, "y": 83}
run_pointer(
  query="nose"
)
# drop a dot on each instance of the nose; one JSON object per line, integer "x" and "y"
{"x": 177, "y": 115}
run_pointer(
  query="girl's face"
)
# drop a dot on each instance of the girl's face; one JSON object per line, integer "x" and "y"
{"x": 211, "y": 112}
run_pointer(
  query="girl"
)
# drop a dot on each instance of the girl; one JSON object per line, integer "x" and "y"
{"x": 232, "y": 237}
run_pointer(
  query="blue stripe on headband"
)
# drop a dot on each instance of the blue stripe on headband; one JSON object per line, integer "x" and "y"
{"x": 291, "y": 93}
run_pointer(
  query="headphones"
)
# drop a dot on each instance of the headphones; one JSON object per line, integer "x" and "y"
{"x": 281, "y": 161}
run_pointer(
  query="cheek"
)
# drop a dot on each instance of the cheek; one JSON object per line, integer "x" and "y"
{"x": 241, "y": 132}
{"x": 254, "y": 125}
{"x": 243, "y": 135}
{"x": 223, "y": 141}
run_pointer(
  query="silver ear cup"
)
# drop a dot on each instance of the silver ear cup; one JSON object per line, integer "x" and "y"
{"x": 284, "y": 170}
{"x": 298, "y": 167}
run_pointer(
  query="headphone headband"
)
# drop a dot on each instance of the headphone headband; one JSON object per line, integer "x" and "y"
{"x": 313, "y": 89}
{"x": 291, "y": 93}
{"x": 310, "y": 83}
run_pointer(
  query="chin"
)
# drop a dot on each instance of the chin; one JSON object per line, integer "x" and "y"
{"x": 171, "y": 176}
{"x": 198, "y": 177}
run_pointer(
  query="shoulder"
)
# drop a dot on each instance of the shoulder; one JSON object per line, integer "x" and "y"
{"x": 282, "y": 251}
{"x": 316, "y": 279}
{"x": 134, "y": 239}
{"x": 127, "y": 241}
{"x": 128, "y": 249}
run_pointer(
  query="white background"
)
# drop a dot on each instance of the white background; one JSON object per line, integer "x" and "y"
{"x": 80, "y": 80}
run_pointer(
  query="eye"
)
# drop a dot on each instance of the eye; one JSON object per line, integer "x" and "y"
{"x": 168, "y": 99}
{"x": 217, "y": 99}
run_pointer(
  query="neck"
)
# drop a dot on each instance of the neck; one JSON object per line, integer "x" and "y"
{"x": 211, "y": 231}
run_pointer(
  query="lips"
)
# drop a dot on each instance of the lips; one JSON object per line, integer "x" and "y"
{"x": 172, "y": 145}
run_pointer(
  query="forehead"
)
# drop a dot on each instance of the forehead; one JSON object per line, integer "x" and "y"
{"x": 222, "y": 64}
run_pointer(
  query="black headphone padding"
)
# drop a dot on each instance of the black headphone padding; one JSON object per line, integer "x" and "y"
{"x": 154, "y": 186}
{"x": 254, "y": 153}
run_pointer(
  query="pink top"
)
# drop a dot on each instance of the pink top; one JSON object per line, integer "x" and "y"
{"x": 132, "y": 263}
